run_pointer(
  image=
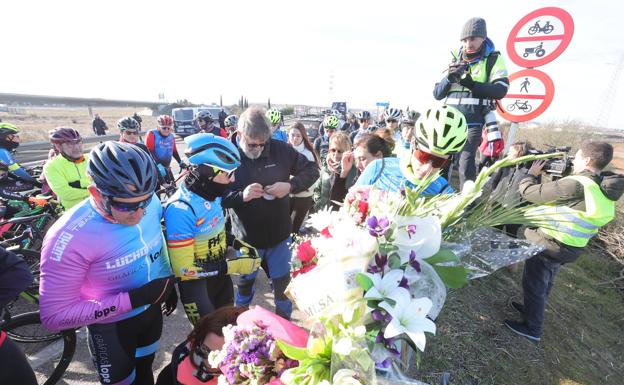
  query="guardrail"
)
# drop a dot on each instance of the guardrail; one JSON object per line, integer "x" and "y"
{"x": 34, "y": 152}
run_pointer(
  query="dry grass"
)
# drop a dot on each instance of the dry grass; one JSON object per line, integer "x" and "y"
{"x": 36, "y": 122}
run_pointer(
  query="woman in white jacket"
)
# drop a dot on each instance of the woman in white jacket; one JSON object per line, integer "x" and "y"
{"x": 301, "y": 203}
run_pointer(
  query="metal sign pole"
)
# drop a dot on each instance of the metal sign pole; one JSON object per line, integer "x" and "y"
{"x": 510, "y": 137}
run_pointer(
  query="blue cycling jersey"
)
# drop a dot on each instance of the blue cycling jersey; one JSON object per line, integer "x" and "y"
{"x": 7, "y": 158}
{"x": 386, "y": 174}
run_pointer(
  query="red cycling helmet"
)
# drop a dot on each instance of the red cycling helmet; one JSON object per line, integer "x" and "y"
{"x": 165, "y": 121}
{"x": 64, "y": 135}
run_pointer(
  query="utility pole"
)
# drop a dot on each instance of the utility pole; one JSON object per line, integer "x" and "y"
{"x": 608, "y": 98}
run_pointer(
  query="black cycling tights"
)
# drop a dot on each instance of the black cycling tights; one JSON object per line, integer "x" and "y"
{"x": 14, "y": 367}
{"x": 123, "y": 351}
{"x": 202, "y": 296}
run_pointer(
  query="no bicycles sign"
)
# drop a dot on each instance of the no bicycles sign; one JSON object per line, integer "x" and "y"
{"x": 530, "y": 93}
{"x": 540, "y": 37}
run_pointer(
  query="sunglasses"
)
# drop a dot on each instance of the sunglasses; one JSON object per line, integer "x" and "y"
{"x": 218, "y": 171}
{"x": 425, "y": 157}
{"x": 132, "y": 132}
{"x": 128, "y": 207}
{"x": 256, "y": 145}
{"x": 164, "y": 127}
{"x": 391, "y": 120}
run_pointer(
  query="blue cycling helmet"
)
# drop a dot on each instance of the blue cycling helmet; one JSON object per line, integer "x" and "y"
{"x": 122, "y": 170}
{"x": 215, "y": 151}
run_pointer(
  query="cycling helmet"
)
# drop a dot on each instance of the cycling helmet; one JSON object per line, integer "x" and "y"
{"x": 442, "y": 130}
{"x": 114, "y": 166}
{"x": 204, "y": 115}
{"x": 364, "y": 115}
{"x": 164, "y": 121}
{"x": 211, "y": 150}
{"x": 62, "y": 135}
{"x": 127, "y": 123}
{"x": 331, "y": 122}
{"x": 392, "y": 113}
{"x": 410, "y": 117}
{"x": 230, "y": 121}
{"x": 8, "y": 129}
{"x": 274, "y": 115}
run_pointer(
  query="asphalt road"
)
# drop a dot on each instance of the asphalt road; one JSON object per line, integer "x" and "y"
{"x": 175, "y": 329}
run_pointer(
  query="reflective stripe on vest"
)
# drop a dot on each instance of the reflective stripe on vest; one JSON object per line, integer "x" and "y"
{"x": 574, "y": 227}
{"x": 471, "y": 101}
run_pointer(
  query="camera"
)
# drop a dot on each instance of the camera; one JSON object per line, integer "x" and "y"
{"x": 556, "y": 167}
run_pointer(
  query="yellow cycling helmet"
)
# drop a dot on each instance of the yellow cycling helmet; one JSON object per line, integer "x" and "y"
{"x": 442, "y": 130}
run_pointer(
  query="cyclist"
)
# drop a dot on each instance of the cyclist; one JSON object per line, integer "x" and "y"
{"x": 276, "y": 119}
{"x": 104, "y": 264}
{"x": 231, "y": 123}
{"x": 364, "y": 119}
{"x": 15, "y": 276}
{"x": 440, "y": 133}
{"x": 66, "y": 172}
{"x": 9, "y": 141}
{"x": 129, "y": 129}
{"x": 207, "y": 124}
{"x": 12, "y": 199}
{"x": 476, "y": 78}
{"x": 321, "y": 144}
{"x": 196, "y": 235}
{"x": 161, "y": 145}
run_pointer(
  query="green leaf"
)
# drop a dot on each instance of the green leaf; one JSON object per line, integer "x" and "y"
{"x": 363, "y": 280}
{"x": 387, "y": 248}
{"x": 394, "y": 261}
{"x": 442, "y": 256}
{"x": 452, "y": 276}
{"x": 293, "y": 352}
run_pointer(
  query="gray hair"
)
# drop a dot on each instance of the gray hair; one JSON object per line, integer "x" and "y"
{"x": 253, "y": 124}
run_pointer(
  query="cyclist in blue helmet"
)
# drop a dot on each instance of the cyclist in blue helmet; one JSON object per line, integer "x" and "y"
{"x": 196, "y": 236}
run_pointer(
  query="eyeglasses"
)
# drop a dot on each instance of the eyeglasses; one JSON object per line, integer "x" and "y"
{"x": 164, "y": 127}
{"x": 391, "y": 120}
{"x": 334, "y": 150}
{"x": 218, "y": 171}
{"x": 425, "y": 157}
{"x": 128, "y": 207}
{"x": 256, "y": 145}
{"x": 132, "y": 132}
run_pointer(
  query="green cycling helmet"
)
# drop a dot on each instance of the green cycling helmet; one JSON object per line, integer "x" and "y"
{"x": 274, "y": 115}
{"x": 8, "y": 129}
{"x": 442, "y": 130}
{"x": 331, "y": 122}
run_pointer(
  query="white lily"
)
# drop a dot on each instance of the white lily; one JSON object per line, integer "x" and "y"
{"x": 420, "y": 234}
{"x": 409, "y": 317}
{"x": 386, "y": 287}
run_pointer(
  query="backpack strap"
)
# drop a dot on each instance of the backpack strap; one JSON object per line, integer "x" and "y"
{"x": 489, "y": 63}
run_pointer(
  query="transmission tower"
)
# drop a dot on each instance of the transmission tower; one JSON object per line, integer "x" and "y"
{"x": 608, "y": 98}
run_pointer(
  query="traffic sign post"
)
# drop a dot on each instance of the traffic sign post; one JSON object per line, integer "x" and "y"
{"x": 540, "y": 37}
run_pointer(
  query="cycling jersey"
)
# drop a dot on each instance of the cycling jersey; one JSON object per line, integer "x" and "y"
{"x": 386, "y": 174}
{"x": 195, "y": 233}
{"x": 60, "y": 172}
{"x": 7, "y": 158}
{"x": 280, "y": 134}
{"x": 88, "y": 265}
{"x": 162, "y": 148}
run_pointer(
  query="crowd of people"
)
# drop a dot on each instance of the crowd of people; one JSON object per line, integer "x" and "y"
{"x": 118, "y": 258}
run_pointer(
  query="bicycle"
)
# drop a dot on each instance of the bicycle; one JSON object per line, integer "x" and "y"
{"x": 23, "y": 328}
{"x": 523, "y": 106}
{"x": 169, "y": 185}
{"x": 546, "y": 29}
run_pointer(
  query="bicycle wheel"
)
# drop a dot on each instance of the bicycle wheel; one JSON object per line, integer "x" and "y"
{"x": 533, "y": 30}
{"x": 21, "y": 330}
{"x": 511, "y": 107}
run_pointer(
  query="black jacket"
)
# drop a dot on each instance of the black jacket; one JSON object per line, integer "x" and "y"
{"x": 14, "y": 276}
{"x": 260, "y": 222}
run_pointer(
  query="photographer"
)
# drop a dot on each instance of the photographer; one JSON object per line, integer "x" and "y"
{"x": 476, "y": 77}
{"x": 576, "y": 207}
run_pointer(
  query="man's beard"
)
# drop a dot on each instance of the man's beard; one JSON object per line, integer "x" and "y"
{"x": 250, "y": 153}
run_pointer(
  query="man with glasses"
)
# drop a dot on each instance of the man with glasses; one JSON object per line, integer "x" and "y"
{"x": 129, "y": 129}
{"x": 104, "y": 265}
{"x": 9, "y": 141}
{"x": 440, "y": 133}
{"x": 161, "y": 144}
{"x": 66, "y": 172}
{"x": 259, "y": 204}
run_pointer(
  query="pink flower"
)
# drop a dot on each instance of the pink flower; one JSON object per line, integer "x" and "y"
{"x": 325, "y": 232}
{"x": 305, "y": 252}
{"x": 303, "y": 270}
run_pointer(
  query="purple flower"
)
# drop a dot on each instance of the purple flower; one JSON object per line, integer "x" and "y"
{"x": 377, "y": 315}
{"x": 381, "y": 261}
{"x": 411, "y": 230}
{"x": 404, "y": 284}
{"x": 413, "y": 262}
{"x": 377, "y": 227}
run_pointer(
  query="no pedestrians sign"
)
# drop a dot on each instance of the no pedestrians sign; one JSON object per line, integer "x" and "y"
{"x": 530, "y": 93}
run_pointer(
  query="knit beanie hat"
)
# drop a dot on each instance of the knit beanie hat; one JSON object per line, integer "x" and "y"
{"x": 474, "y": 27}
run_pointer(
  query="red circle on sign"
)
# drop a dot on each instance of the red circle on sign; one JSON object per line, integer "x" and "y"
{"x": 549, "y": 94}
{"x": 568, "y": 26}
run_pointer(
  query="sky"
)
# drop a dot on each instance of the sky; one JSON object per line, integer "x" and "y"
{"x": 290, "y": 51}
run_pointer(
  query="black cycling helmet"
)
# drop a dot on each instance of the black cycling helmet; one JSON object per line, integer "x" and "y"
{"x": 204, "y": 115}
{"x": 128, "y": 123}
{"x": 115, "y": 167}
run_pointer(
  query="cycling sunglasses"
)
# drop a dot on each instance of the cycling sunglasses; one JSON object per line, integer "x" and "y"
{"x": 218, "y": 171}
{"x": 425, "y": 157}
{"x": 128, "y": 207}
{"x": 391, "y": 120}
{"x": 128, "y": 132}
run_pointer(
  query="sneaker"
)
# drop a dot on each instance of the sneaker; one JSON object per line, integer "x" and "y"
{"x": 521, "y": 329}
{"x": 518, "y": 307}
